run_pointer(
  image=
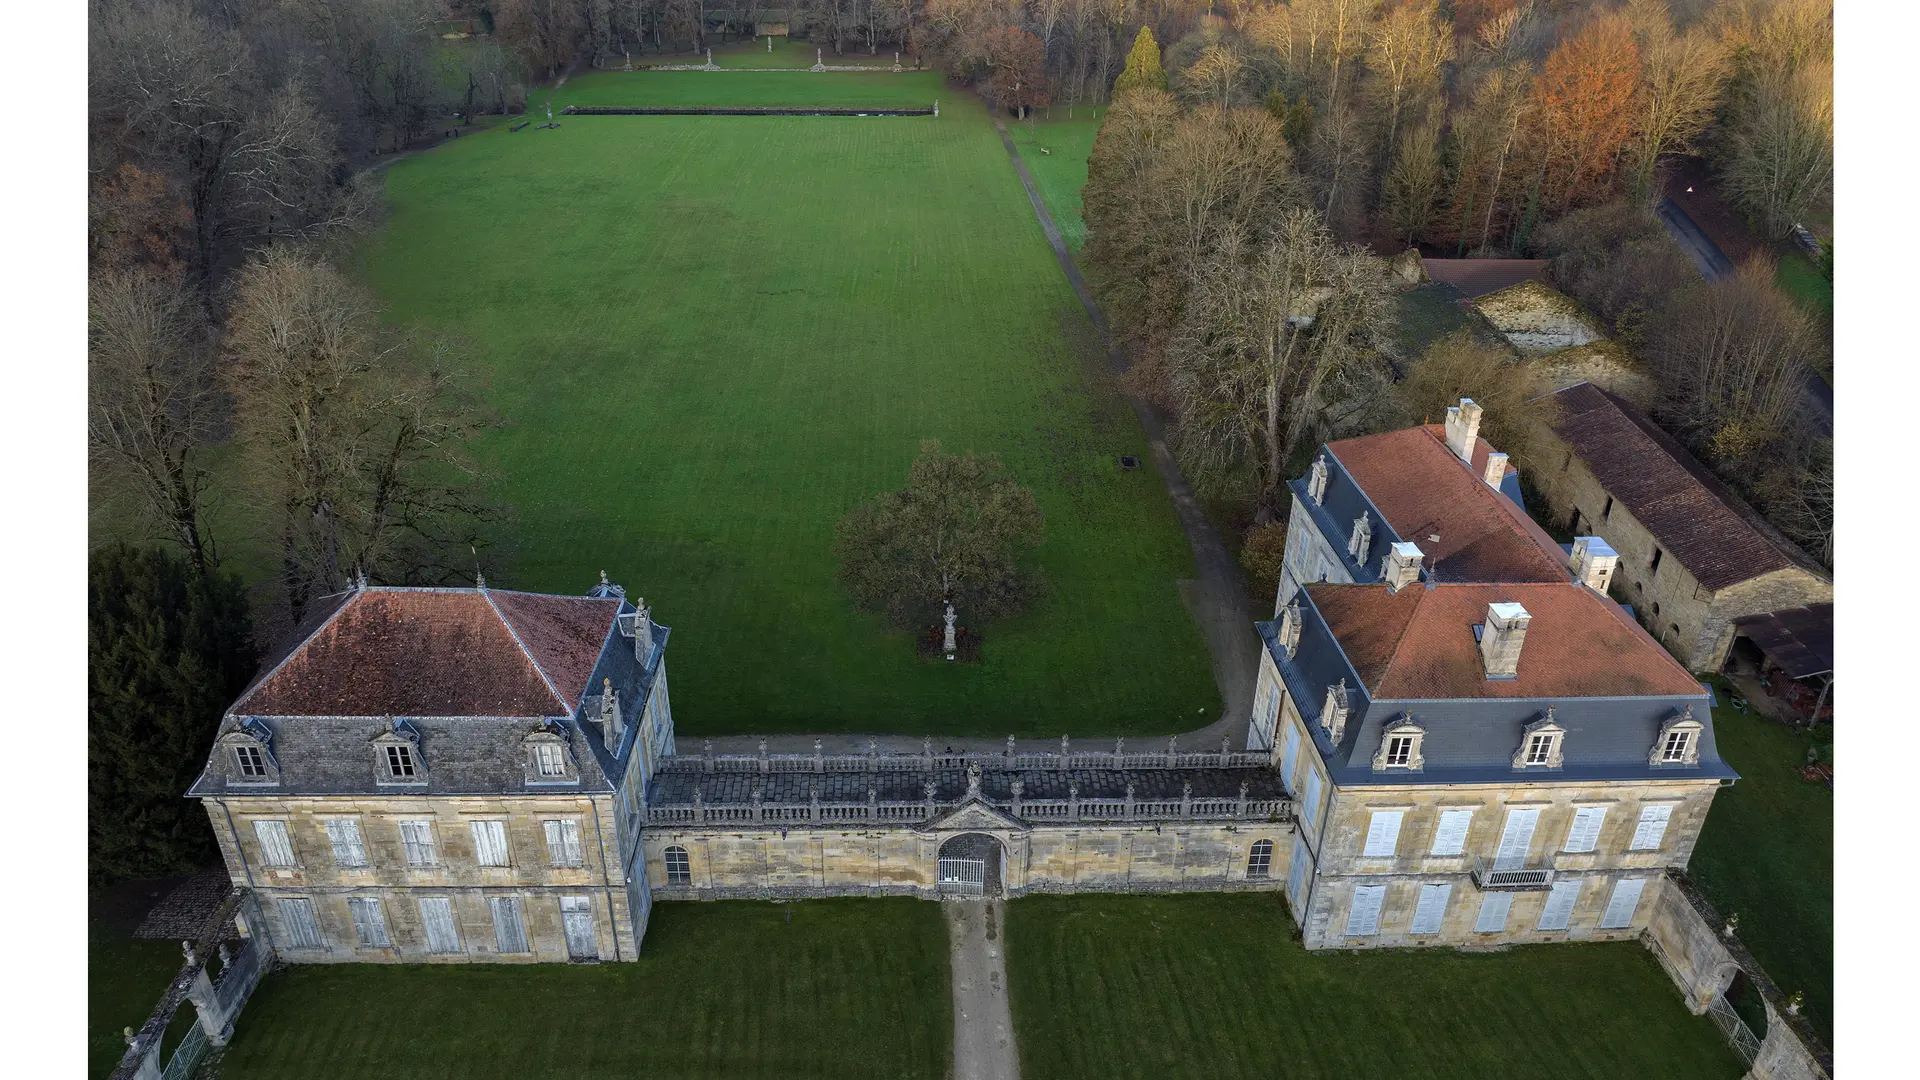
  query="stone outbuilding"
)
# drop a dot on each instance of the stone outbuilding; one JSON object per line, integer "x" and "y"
{"x": 1538, "y": 319}
{"x": 1693, "y": 557}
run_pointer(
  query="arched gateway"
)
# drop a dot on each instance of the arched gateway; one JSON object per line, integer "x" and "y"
{"x": 971, "y": 864}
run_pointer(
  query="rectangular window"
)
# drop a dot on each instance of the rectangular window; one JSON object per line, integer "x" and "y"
{"x": 275, "y": 848}
{"x": 1651, "y": 828}
{"x": 509, "y": 933}
{"x": 368, "y": 923}
{"x": 1585, "y": 832}
{"x": 1383, "y": 834}
{"x": 249, "y": 761}
{"x": 1310, "y": 806}
{"x": 563, "y": 842}
{"x": 303, "y": 930}
{"x": 1606, "y": 512}
{"x": 344, "y": 835}
{"x": 436, "y": 913}
{"x": 1623, "y": 903}
{"x": 1675, "y": 748}
{"x": 551, "y": 758}
{"x": 1432, "y": 908}
{"x": 1559, "y": 909}
{"x": 1493, "y": 913}
{"x": 1539, "y": 749}
{"x": 1289, "y": 751}
{"x": 1399, "y": 750}
{"x": 1654, "y": 566}
{"x": 399, "y": 761}
{"x": 490, "y": 843}
{"x": 679, "y": 868}
{"x": 1450, "y": 838}
{"x": 417, "y": 838}
{"x": 1363, "y": 918}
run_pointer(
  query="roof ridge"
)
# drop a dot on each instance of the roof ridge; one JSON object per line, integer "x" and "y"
{"x": 526, "y": 652}
{"x": 299, "y": 647}
{"x": 1399, "y": 640}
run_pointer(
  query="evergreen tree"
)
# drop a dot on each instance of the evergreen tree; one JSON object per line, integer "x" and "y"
{"x": 1143, "y": 69}
{"x": 167, "y": 650}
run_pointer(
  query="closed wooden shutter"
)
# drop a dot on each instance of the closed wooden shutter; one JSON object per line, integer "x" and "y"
{"x": 1585, "y": 832}
{"x": 1289, "y": 752}
{"x": 1432, "y": 908}
{"x": 1623, "y": 903}
{"x": 1493, "y": 913}
{"x": 509, "y": 933}
{"x": 417, "y": 838}
{"x": 303, "y": 930}
{"x": 1297, "y": 876}
{"x": 275, "y": 849}
{"x": 1310, "y": 806}
{"x": 344, "y": 835}
{"x": 1383, "y": 833}
{"x": 490, "y": 842}
{"x": 367, "y": 922}
{"x": 563, "y": 842}
{"x": 1652, "y": 826}
{"x": 1363, "y": 918}
{"x": 1450, "y": 838}
{"x": 436, "y": 914}
{"x": 1516, "y": 839}
{"x": 1559, "y": 907}
{"x": 576, "y": 918}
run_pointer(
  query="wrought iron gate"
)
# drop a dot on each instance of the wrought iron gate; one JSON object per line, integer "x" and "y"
{"x": 1738, "y": 1034}
{"x": 962, "y": 877}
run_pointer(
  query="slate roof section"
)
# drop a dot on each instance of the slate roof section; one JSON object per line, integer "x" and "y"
{"x": 439, "y": 652}
{"x": 1478, "y": 277}
{"x": 1424, "y": 490}
{"x": 1418, "y": 643}
{"x": 1713, "y": 532}
{"x": 675, "y": 787}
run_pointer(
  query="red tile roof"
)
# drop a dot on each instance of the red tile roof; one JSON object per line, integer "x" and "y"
{"x": 1719, "y": 538}
{"x": 1423, "y": 490}
{"x": 1418, "y": 643}
{"x": 1478, "y": 277}
{"x": 440, "y": 652}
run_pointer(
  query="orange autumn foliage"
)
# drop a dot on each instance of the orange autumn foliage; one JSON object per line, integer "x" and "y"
{"x": 1581, "y": 112}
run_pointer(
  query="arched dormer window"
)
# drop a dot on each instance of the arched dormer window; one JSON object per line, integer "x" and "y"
{"x": 245, "y": 754}
{"x": 1333, "y": 712}
{"x": 1679, "y": 740}
{"x": 397, "y": 761}
{"x": 1360, "y": 543}
{"x": 1260, "y": 859}
{"x": 549, "y": 757}
{"x": 1401, "y": 745}
{"x": 1541, "y": 744}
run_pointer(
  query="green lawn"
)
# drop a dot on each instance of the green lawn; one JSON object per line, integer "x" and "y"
{"x": 1798, "y": 277}
{"x": 847, "y": 988}
{"x": 1214, "y": 986}
{"x": 1766, "y": 854}
{"x": 1062, "y": 171}
{"x": 711, "y": 337}
{"x": 125, "y": 977}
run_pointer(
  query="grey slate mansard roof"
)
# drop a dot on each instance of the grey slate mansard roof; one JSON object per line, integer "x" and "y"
{"x": 474, "y": 671}
{"x": 675, "y": 788}
{"x": 1472, "y": 739}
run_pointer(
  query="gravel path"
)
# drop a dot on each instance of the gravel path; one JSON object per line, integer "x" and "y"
{"x": 983, "y": 1046}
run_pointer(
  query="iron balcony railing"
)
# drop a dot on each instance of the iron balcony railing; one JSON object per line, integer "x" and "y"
{"x": 1532, "y": 877}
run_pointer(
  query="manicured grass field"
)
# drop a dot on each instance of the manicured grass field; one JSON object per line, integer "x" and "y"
{"x": 1798, "y": 277}
{"x": 1766, "y": 854}
{"x": 713, "y": 336}
{"x": 1062, "y": 171}
{"x": 847, "y": 988}
{"x": 1214, "y": 987}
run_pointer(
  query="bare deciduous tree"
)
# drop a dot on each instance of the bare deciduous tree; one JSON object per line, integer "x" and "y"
{"x": 1682, "y": 78}
{"x": 1779, "y": 159}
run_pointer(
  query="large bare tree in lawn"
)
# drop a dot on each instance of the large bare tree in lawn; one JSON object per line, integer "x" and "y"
{"x": 1278, "y": 333}
{"x": 954, "y": 536}
{"x": 355, "y": 437}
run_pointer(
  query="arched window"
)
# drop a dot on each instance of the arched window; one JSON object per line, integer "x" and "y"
{"x": 679, "y": 869}
{"x": 1260, "y": 859}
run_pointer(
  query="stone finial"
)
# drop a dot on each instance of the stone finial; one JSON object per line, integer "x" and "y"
{"x": 1226, "y": 745}
{"x": 763, "y": 746}
{"x": 817, "y": 748}
{"x": 1173, "y": 743}
{"x": 931, "y": 788}
{"x": 1119, "y": 746}
{"x": 225, "y": 956}
{"x": 479, "y": 580}
{"x": 706, "y": 747}
{"x": 127, "y": 1034}
{"x": 1009, "y": 746}
{"x": 1186, "y": 791}
{"x": 696, "y": 796}
{"x": 973, "y": 780}
{"x": 1018, "y": 787}
{"x": 1064, "y": 742}
{"x": 926, "y": 746}
{"x": 603, "y": 577}
{"x": 186, "y": 947}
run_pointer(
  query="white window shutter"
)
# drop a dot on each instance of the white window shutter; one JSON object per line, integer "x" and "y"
{"x": 303, "y": 931}
{"x": 1289, "y": 752}
{"x": 1622, "y": 905}
{"x": 1652, "y": 826}
{"x": 490, "y": 843}
{"x": 367, "y": 922}
{"x": 1432, "y": 908}
{"x": 1559, "y": 909}
{"x": 509, "y": 933}
{"x": 1584, "y": 834}
{"x": 1297, "y": 875}
{"x": 1450, "y": 838}
{"x": 1310, "y": 806}
{"x": 1493, "y": 913}
{"x": 275, "y": 848}
{"x": 1516, "y": 839}
{"x": 1363, "y": 918}
{"x": 436, "y": 912}
{"x": 1383, "y": 833}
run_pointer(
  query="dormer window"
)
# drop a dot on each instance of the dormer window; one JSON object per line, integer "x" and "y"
{"x": 249, "y": 762}
{"x": 1678, "y": 742}
{"x": 549, "y": 758}
{"x": 1333, "y": 712}
{"x": 396, "y": 755}
{"x": 1360, "y": 543}
{"x": 248, "y": 753}
{"x": 400, "y": 762}
{"x": 1541, "y": 744}
{"x": 1400, "y": 746}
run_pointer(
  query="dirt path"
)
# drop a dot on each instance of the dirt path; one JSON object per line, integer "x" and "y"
{"x": 983, "y": 1047}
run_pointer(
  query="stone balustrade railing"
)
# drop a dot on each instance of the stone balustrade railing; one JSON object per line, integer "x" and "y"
{"x": 1036, "y": 811}
{"x": 1010, "y": 759}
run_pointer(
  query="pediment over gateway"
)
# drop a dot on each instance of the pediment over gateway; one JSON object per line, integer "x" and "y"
{"x": 973, "y": 814}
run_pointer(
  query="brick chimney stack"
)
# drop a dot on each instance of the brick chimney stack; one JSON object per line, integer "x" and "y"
{"x": 1463, "y": 426}
{"x": 1593, "y": 561}
{"x": 1403, "y": 565}
{"x": 1501, "y": 637}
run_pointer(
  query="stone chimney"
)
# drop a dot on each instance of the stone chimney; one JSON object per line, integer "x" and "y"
{"x": 1317, "y": 480}
{"x": 1403, "y": 566}
{"x": 1593, "y": 562}
{"x": 1463, "y": 426}
{"x": 1290, "y": 628}
{"x": 611, "y": 725}
{"x": 642, "y": 630}
{"x": 1496, "y": 470}
{"x": 1501, "y": 637}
